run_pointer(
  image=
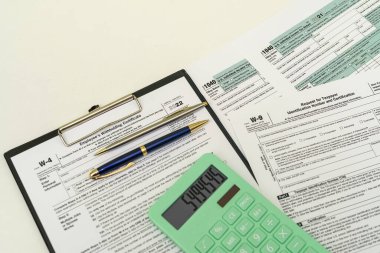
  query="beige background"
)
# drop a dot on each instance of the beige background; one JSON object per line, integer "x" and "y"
{"x": 57, "y": 58}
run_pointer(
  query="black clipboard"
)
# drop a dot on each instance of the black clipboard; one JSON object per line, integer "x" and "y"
{"x": 15, "y": 151}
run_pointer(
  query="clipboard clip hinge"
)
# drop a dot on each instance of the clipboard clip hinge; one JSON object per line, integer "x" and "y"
{"x": 95, "y": 111}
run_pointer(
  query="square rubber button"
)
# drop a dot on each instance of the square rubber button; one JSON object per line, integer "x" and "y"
{"x": 270, "y": 222}
{"x": 219, "y": 250}
{"x": 245, "y": 201}
{"x": 219, "y": 229}
{"x": 296, "y": 244}
{"x": 257, "y": 237}
{"x": 232, "y": 215}
{"x": 257, "y": 212}
{"x": 204, "y": 244}
{"x": 282, "y": 233}
{"x": 244, "y": 226}
{"x": 244, "y": 248}
{"x": 230, "y": 241}
{"x": 310, "y": 250}
{"x": 270, "y": 246}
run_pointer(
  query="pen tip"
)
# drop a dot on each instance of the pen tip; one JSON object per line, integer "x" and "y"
{"x": 197, "y": 125}
{"x": 100, "y": 151}
{"x": 94, "y": 173}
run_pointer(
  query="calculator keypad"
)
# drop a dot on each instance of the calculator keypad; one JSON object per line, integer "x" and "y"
{"x": 257, "y": 212}
{"x": 204, "y": 244}
{"x": 219, "y": 250}
{"x": 310, "y": 250}
{"x": 232, "y": 215}
{"x": 245, "y": 201}
{"x": 231, "y": 240}
{"x": 270, "y": 246}
{"x": 296, "y": 244}
{"x": 257, "y": 237}
{"x": 246, "y": 227}
{"x": 270, "y": 222}
{"x": 245, "y": 248}
{"x": 282, "y": 233}
{"x": 218, "y": 230}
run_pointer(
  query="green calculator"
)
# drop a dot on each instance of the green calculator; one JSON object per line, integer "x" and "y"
{"x": 211, "y": 209}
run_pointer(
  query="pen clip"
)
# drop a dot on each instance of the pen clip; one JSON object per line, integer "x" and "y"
{"x": 182, "y": 110}
{"x": 123, "y": 168}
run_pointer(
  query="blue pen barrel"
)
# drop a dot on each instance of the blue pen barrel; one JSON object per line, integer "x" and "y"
{"x": 120, "y": 161}
{"x": 126, "y": 158}
{"x": 167, "y": 139}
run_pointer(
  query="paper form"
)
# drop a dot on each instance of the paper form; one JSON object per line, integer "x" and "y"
{"x": 230, "y": 80}
{"x": 111, "y": 215}
{"x": 311, "y": 43}
{"x": 316, "y": 155}
{"x": 316, "y": 42}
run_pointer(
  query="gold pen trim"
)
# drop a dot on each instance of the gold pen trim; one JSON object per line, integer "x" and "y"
{"x": 143, "y": 150}
{"x": 195, "y": 126}
{"x": 94, "y": 173}
{"x": 101, "y": 151}
{"x": 165, "y": 120}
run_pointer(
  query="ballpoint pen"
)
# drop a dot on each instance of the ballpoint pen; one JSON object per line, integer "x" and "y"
{"x": 173, "y": 116}
{"x": 125, "y": 161}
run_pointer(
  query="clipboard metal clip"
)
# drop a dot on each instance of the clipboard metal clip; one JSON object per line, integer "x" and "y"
{"x": 96, "y": 111}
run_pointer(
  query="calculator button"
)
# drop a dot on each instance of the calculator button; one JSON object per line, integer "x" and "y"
{"x": 244, "y": 248}
{"x": 296, "y": 244}
{"x": 270, "y": 246}
{"x": 310, "y": 250}
{"x": 282, "y": 233}
{"x": 218, "y": 250}
{"x": 245, "y": 201}
{"x": 244, "y": 226}
{"x": 204, "y": 244}
{"x": 257, "y": 212}
{"x": 270, "y": 222}
{"x": 231, "y": 240}
{"x": 218, "y": 230}
{"x": 232, "y": 215}
{"x": 257, "y": 237}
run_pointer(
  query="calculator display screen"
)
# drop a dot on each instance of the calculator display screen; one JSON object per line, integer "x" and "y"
{"x": 194, "y": 196}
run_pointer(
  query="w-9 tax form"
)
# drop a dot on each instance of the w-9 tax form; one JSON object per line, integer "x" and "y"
{"x": 317, "y": 156}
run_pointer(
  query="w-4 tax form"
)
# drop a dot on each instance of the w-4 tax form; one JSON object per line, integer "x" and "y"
{"x": 83, "y": 215}
{"x": 316, "y": 154}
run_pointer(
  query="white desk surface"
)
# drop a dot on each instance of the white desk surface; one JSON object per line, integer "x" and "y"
{"x": 57, "y": 58}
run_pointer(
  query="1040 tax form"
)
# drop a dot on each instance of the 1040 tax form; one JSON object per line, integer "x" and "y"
{"x": 316, "y": 154}
{"x": 316, "y": 42}
{"x": 310, "y": 44}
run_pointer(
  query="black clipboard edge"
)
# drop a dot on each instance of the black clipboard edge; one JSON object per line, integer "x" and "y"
{"x": 220, "y": 125}
{"x": 156, "y": 85}
{"x": 8, "y": 157}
